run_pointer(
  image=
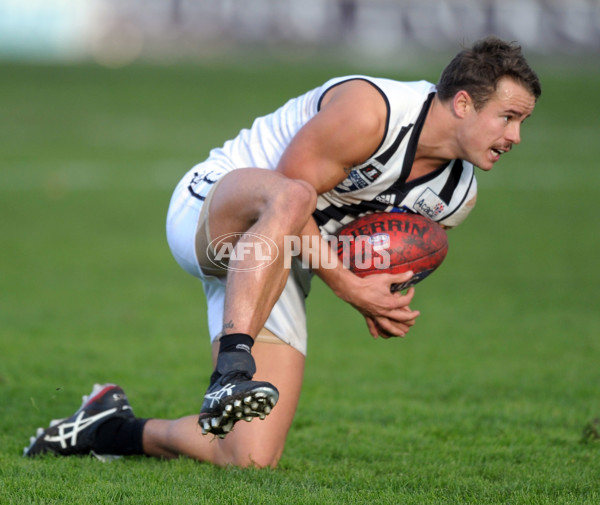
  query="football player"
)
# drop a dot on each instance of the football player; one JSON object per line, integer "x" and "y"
{"x": 354, "y": 145}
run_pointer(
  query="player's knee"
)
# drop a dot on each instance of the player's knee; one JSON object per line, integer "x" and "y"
{"x": 255, "y": 452}
{"x": 305, "y": 193}
{"x": 296, "y": 199}
{"x": 258, "y": 459}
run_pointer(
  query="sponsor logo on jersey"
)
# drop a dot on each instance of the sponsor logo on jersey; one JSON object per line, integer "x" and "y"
{"x": 353, "y": 182}
{"x": 358, "y": 179}
{"x": 387, "y": 198}
{"x": 429, "y": 204}
{"x": 370, "y": 173}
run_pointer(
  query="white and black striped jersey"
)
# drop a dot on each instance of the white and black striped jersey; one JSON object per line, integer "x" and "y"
{"x": 446, "y": 195}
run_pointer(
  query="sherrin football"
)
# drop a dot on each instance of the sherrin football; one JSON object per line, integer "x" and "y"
{"x": 393, "y": 242}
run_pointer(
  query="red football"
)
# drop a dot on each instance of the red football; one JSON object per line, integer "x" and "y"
{"x": 393, "y": 242}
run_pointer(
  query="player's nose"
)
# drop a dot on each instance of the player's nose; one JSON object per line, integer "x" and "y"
{"x": 513, "y": 134}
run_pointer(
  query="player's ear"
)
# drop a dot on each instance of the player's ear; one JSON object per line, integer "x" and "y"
{"x": 461, "y": 103}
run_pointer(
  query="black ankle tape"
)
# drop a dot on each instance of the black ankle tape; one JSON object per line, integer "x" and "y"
{"x": 236, "y": 342}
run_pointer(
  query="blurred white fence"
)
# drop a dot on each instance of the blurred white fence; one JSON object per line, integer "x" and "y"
{"x": 121, "y": 30}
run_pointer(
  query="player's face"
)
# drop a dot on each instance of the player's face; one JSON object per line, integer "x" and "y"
{"x": 492, "y": 130}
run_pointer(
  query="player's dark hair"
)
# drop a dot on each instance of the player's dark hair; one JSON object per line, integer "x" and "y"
{"x": 477, "y": 71}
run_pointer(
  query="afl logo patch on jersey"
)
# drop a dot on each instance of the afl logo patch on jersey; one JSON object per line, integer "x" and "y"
{"x": 429, "y": 204}
{"x": 358, "y": 179}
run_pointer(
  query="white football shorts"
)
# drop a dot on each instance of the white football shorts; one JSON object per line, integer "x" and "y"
{"x": 185, "y": 219}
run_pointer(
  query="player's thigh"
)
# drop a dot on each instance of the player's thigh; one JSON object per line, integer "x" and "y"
{"x": 261, "y": 443}
{"x": 244, "y": 195}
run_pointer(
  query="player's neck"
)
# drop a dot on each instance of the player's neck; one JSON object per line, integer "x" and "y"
{"x": 436, "y": 145}
{"x": 422, "y": 167}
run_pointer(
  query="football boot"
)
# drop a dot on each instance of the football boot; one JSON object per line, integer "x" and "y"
{"x": 75, "y": 434}
{"x": 233, "y": 396}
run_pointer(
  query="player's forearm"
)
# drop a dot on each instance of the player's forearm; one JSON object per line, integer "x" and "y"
{"x": 323, "y": 260}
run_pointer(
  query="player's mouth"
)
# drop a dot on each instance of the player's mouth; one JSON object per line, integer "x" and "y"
{"x": 497, "y": 152}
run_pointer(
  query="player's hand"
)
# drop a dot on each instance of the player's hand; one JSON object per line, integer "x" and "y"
{"x": 376, "y": 326}
{"x": 387, "y": 314}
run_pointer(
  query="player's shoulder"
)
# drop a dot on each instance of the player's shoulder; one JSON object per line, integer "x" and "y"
{"x": 400, "y": 97}
{"x": 382, "y": 83}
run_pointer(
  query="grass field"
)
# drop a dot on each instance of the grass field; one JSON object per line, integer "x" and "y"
{"x": 484, "y": 402}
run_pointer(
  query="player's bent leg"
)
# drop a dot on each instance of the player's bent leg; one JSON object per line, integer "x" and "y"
{"x": 259, "y": 443}
{"x": 260, "y": 199}
{"x": 257, "y": 204}
{"x": 265, "y": 204}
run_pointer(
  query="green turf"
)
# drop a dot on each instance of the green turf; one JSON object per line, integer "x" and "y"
{"x": 484, "y": 402}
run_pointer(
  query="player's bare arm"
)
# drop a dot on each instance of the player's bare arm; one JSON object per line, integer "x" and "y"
{"x": 387, "y": 314}
{"x": 322, "y": 152}
{"x": 344, "y": 133}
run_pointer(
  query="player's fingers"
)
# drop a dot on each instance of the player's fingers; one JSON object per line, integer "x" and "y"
{"x": 373, "y": 330}
{"x": 404, "y": 299}
{"x": 400, "y": 278}
{"x": 387, "y": 328}
{"x": 400, "y": 310}
{"x": 403, "y": 315}
{"x": 409, "y": 318}
{"x": 382, "y": 333}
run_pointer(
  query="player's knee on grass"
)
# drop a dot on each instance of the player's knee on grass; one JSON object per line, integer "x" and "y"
{"x": 255, "y": 453}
